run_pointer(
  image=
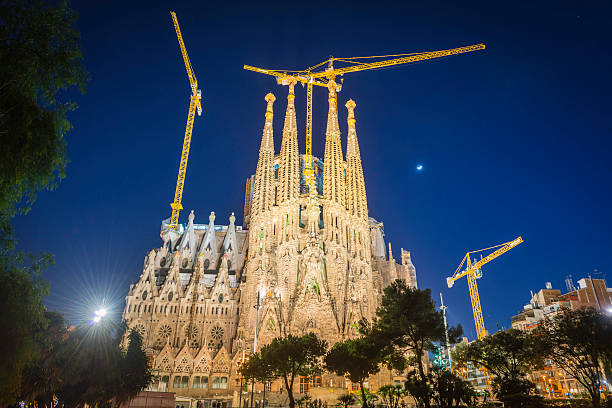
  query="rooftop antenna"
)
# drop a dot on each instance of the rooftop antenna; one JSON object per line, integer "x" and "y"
{"x": 448, "y": 351}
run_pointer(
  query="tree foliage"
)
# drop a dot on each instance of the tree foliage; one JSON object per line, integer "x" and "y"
{"x": 508, "y": 355}
{"x": 345, "y": 400}
{"x": 580, "y": 342}
{"x": 356, "y": 359}
{"x": 41, "y": 57}
{"x": 42, "y": 377}
{"x": 391, "y": 395}
{"x": 407, "y": 320}
{"x": 451, "y": 391}
{"x": 22, "y": 314}
{"x": 86, "y": 365}
{"x": 256, "y": 368}
{"x": 286, "y": 358}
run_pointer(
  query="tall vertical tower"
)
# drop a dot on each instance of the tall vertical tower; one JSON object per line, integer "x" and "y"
{"x": 263, "y": 190}
{"x": 333, "y": 175}
{"x": 289, "y": 169}
{"x": 356, "y": 200}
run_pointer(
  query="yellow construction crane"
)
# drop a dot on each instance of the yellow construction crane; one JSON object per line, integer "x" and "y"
{"x": 325, "y": 73}
{"x": 473, "y": 271}
{"x": 194, "y": 104}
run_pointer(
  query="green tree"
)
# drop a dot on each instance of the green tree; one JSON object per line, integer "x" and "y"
{"x": 580, "y": 342}
{"x": 135, "y": 371}
{"x": 509, "y": 355}
{"x": 22, "y": 315}
{"x": 288, "y": 357}
{"x": 86, "y": 365}
{"x": 257, "y": 369}
{"x": 41, "y": 57}
{"x": 345, "y": 400}
{"x": 42, "y": 376}
{"x": 407, "y": 320}
{"x": 450, "y": 391}
{"x": 391, "y": 395}
{"x": 356, "y": 359}
{"x": 420, "y": 388}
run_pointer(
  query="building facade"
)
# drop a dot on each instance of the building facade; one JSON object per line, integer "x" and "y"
{"x": 309, "y": 259}
{"x": 551, "y": 381}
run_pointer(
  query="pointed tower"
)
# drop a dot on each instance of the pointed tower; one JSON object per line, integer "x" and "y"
{"x": 263, "y": 192}
{"x": 333, "y": 170}
{"x": 289, "y": 172}
{"x": 357, "y": 202}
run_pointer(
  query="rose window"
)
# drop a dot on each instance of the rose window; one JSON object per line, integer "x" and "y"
{"x": 140, "y": 329}
{"x": 165, "y": 331}
{"x": 216, "y": 332}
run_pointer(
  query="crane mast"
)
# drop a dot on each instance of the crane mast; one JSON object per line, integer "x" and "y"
{"x": 473, "y": 272}
{"x": 195, "y": 104}
{"x": 322, "y": 74}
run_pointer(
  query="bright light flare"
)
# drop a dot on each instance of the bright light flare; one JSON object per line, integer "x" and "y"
{"x": 101, "y": 312}
{"x": 419, "y": 167}
{"x": 97, "y": 319}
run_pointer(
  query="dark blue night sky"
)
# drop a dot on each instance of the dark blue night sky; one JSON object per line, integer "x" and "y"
{"x": 515, "y": 140}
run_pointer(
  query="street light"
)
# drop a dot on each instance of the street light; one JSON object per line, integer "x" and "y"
{"x": 99, "y": 314}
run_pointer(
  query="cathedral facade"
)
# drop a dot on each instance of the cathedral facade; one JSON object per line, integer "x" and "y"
{"x": 307, "y": 259}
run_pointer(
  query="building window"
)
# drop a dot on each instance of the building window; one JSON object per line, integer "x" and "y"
{"x": 304, "y": 385}
{"x": 180, "y": 382}
{"x": 309, "y": 382}
{"x": 200, "y": 382}
{"x": 219, "y": 383}
{"x": 163, "y": 384}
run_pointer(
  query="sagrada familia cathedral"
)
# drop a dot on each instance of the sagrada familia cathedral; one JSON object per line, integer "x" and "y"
{"x": 307, "y": 259}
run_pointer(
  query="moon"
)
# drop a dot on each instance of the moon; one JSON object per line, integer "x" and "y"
{"x": 419, "y": 167}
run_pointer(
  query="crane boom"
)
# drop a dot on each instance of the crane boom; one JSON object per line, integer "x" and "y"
{"x": 321, "y": 75}
{"x": 192, "y": 78}
{"x": 195, "y": 104}
{"x": 473, "y": 272}
{"x": 503, "y": 248}
{"x": 397, "y": 61}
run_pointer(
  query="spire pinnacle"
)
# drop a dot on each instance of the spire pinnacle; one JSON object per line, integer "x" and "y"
{"x": 290, "y": 122}
{"x": 263, "y": 190}
{"x": 352, "y": 147}
{"x": 267, "y": 141}
{"x": 333, "y": 174}
{"x": 332, "y": 117}
{"x": 355, "y": 191}
{"x": 289, "y": 171}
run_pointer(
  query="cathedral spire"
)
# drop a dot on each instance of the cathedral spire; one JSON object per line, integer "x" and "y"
{"x": 267, "y": 140}
{"x": 289, "y": 172}
{"x": 333, "y": 173}
{"x": 263, "y": 192}
{"x": 357, "y": 202}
